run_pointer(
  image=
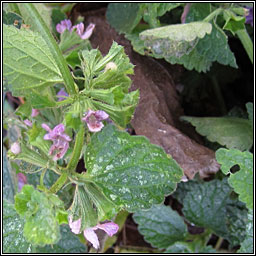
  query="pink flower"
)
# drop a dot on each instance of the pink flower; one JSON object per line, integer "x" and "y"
{"x": 35, "y": 112}
{"x": 94, "y": 118}
{"x": 63, "y": 25}
{"x": 61, "y": 93}
{"x": 110, "y": 228}
{"x": 80, "y": 30}
{"x": 60, "y": 140}
{"x": 28, "y": 122}
{"x": 15, "y": 148}
{"x": 22, "y": 180}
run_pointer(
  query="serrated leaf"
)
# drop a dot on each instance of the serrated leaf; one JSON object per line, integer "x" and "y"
{"x": 130, "y": 171}
{"x": 124, "y": 16}
{"x": 228, "y": 131}
{"x": 28, "y": 62}
{"x": 241, "y": 181}
{"x": 175, "y": 40}
{"x": 247, "y": 244}
{"x": 13, "y": 239}
{"x": 41, "y": 226}
{"x": 9, "y": 179}
{"x": 214, "y": 47}
{"x": 160, "y": 226}
{"x": 209, "y": 205}
{"x": 69, "y": 243}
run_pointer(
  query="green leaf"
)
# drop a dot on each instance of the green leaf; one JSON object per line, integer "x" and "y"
{"x": 28, "y": 62}
{"x": 124, "y": 16}
{"x": 247, "y": 244}
{"x": 198, "y": 11}
{"x": 209, "y": 205}
{"x": 13, "y": 239}
{"x": 214, "y": 47}
{"x": 107, "y": 84}
{"x": 241, "y": 181}
{"x": 233, "y": 22}
{"x": 69, "y": 243}
{"x": 69, "y": 40}
{"x": 9, "y": 179}
{"x": 56, "y": 17}
{"x": 131, "y": 172}
{"x": 41, "y": 226}
{"x": 44, "y": 11}
{"x": 160, "y": 226}
{"x": 227, "y": 131}
{"x": 175, "y": 40}
{"x": 154, "y": 10}
{"x": 11, "y": 18}
{"x": 186, "y": 247}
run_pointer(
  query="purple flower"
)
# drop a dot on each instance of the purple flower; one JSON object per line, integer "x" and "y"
{"x": 61, "y": 93}
{"x": 94, "y": 118}
{"x": 249, "y": 16}
{"x": 15, "y": 148}
{"x": 60, "y": 140}
{"x": 35, "y": 112}
{"x": 63, "y": 25}
{"x": 28, "y": 122}
{"x": 22, "y": 180}
{"x": 110, "y": 228}
{"x": 80, "y": 30}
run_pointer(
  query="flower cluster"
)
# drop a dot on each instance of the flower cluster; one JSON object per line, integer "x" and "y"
{"x": 94, "y": 119}
{"x": 60, "y": 140}
{"x": 249, "y": 16}
{"x": 62, "y": 94}
{"x": 84, "y": 34}
{"x": 110, "y": 228}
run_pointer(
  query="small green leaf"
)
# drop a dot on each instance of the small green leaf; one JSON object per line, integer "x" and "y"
{"x": 124, "y": 16}
{"x": 175, "y": 40}
{"x": 247, "y": 244}
{"x": 228, "y": 131}
{"x": 13, "y": 239}
{"x": 160, "y": 226}
{"x": 233, "y": 22}
{"x": 241, "y": 181}
{"x": 28, "y": 62}
{"x": 41, "y": 226}
{"x": 69, "y": 40}
{"x": 131, "y": 172}
{"x": 69, "y": 243}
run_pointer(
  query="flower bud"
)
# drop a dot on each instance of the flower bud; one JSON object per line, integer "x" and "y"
{"x": 15, "y": 148}
{"x": 111, "y": 65}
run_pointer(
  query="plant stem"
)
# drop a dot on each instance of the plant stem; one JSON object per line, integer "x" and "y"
{"x": 59, "y": 183}
{"x": 41, "y": 27}
{"x": 218, "y": 244}
{"x": 77, "y": 149}
{"x": 246, "y": 42}
{"x": 213, "y": 14}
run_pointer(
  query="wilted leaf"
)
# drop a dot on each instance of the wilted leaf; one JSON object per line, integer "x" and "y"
{"x": 241, "y": 181}
{"x": 160, "y": 226}
{"x": 227, "y": 131}
{"x": 28, "y": 62}
{"x": 13, "y": 239}
{"x": 175, "y": 40}
{"x": 130, "y": 171}
{"x": 157, "y": 115}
